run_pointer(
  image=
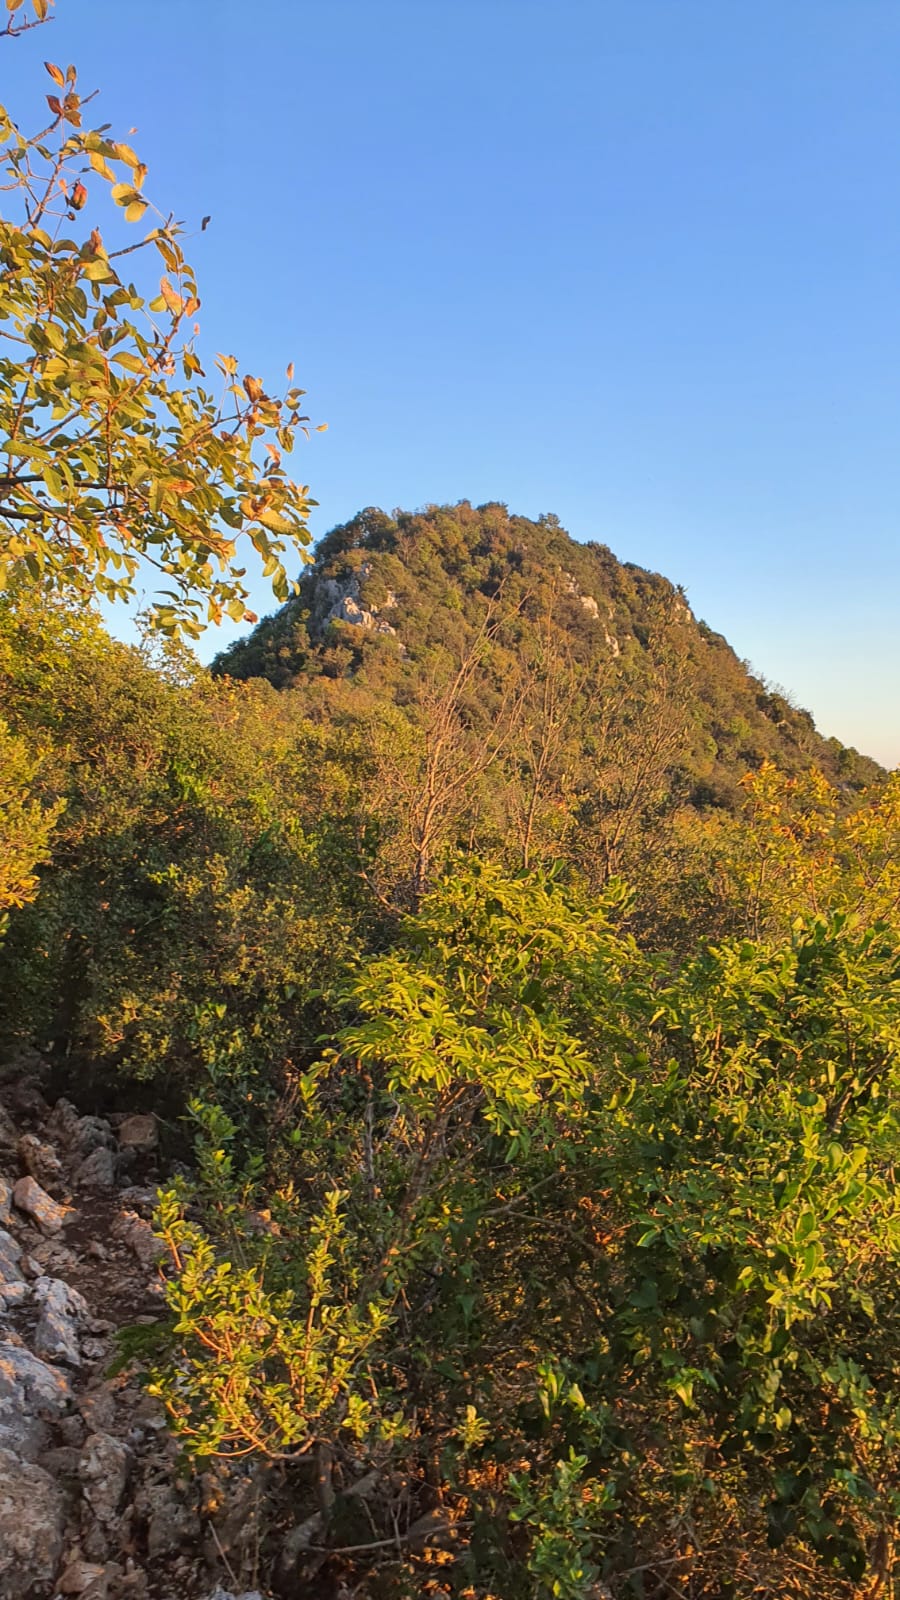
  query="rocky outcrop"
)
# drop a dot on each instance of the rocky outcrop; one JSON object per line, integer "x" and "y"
{"x": 10, "y": 1256}
{"x": 103, "y": 1470}
{"x": 592, "y": 608}
{"x": 225, "y": 1594}
{"x": 93, "y": 1502}
{"x": 97, "y": 1171}
{"x": 341, "y": 600}
{"x": 96, "y": 1499}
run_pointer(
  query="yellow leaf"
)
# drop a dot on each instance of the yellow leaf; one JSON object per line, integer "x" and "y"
{"x": 56, "y": 74}
{"x": 125, "y": 153}
{"x": 135, "y": 210}
{"x": 274, "y": 522}
{"x": 172, "y": 298}
{"x": 100, "y": 165}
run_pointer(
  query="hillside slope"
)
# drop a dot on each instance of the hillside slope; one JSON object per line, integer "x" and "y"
{"x": 393, "y": 603}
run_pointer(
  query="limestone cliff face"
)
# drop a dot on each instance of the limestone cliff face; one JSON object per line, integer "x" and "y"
{"x": 339, "y": 599}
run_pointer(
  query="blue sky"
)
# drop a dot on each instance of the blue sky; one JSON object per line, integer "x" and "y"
{"x": 636, "y": 262}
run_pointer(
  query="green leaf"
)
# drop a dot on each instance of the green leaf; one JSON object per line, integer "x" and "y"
{"x": 54, "y": 482}
{"x": 648, "y": 1237}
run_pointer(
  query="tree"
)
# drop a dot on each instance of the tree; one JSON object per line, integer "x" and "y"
{"x": 427, "y": 767}
{"x": 798, "y": 846}
{"x": 190, "y": 899}
{"x": 25, "y": 825}
{"x": 541, "y": 768}
{"x": 116, "y": 451}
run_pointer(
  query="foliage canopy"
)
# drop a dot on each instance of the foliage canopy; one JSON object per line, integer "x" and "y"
{"x": 119, "y": 458}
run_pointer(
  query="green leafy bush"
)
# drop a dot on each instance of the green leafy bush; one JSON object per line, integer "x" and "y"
{"x": 188, "y": 922}
{"x": 639, "y": 1222}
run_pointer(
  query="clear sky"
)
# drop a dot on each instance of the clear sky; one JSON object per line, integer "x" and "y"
{"x": 636, "y": 262}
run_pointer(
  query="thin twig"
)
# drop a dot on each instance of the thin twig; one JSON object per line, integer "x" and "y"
{"x": 229, "y": 1568}
{"x": 379, "y": 1544}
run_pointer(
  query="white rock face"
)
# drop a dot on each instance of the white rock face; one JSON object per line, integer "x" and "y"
{"x": 32, "y": 1517}
{"x": 31, "y": 1393}
{"x": 344, "y": 604}
{"x": 62, "y": 1311}
{"x": 104, "y": 1473}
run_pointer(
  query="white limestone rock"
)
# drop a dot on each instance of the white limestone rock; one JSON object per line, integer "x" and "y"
{"x": 32, "y": 1520}
{"x": 31, "y": 1395}
{"x": 35, "y": 1203}
{"x": 63, "y": 1309}
{"x": 104, "y": 1474}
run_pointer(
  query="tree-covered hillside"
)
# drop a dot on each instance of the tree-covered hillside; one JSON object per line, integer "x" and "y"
{"x": 392, "y": 602}
{"x": 514, "y": 691}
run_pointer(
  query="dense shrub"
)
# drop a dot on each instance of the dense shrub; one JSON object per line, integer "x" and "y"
{"x": 618, "y": 1241}
{"x": 188, "y": 921}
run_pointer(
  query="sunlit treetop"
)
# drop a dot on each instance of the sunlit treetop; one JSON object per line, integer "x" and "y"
{"x": 119, "y": 455}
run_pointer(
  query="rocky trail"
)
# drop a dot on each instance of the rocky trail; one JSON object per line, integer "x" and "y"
{"x": 93, "y": 1500}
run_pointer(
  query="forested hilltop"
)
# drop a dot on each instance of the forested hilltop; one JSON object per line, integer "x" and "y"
{"x": 512, "y": 690}
{"x": 392, "y": 604}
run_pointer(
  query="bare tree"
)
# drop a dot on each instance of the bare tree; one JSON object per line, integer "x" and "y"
{"x": 633, "y": 734}
{"x": 429, "y": 764}
{"x": 543, "y": 763}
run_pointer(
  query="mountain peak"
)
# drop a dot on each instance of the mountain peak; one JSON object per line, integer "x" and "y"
{"x": 391, "y": 602}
